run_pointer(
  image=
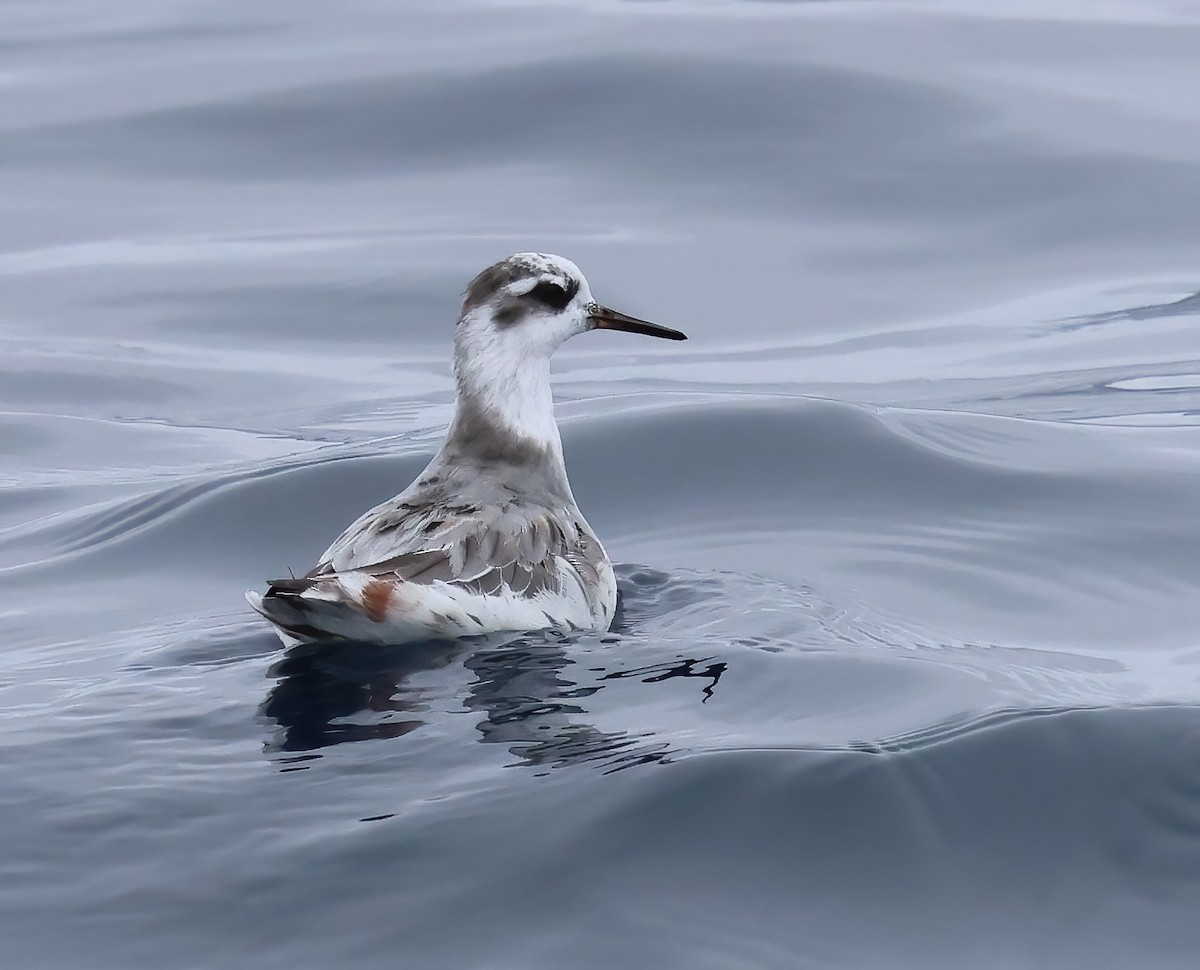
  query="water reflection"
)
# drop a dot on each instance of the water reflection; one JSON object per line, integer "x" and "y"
{"x": 329, "y": 693}
{"x": 656, "y": 673}
{"x": 532, "y": 707}
{"x": 529, "y": 691}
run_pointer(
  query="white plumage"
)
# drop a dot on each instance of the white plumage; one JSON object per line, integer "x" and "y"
{"x": 488, "y": 539}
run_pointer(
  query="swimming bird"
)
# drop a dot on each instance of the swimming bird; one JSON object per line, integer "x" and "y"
{"x": 488, "y": 539}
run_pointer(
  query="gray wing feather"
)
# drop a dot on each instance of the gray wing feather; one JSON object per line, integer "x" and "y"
{"x": 484, "y": 546}
{"x": 489, "y": 542}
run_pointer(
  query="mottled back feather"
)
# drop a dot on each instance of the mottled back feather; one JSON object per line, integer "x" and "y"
{"x": 466, "y": 527}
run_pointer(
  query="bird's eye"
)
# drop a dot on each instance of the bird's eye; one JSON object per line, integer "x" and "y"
{"x": 551, "y": 294}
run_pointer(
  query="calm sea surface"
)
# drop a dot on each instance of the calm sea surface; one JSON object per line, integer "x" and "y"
{"x": 909, "y": 668}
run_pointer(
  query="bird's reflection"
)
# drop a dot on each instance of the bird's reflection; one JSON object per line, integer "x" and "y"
{"x": 331, "y": 693}
{"x": 530, "y": 706}
{"x": 657, "y": 673}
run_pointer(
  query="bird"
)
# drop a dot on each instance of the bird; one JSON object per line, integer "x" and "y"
{"x": 488, "y": 539}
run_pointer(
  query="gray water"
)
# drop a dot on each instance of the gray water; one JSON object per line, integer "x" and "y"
{"x": 908, "y": 672}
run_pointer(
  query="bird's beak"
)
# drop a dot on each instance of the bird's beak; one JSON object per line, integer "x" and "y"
{"x": 602, "y": 318}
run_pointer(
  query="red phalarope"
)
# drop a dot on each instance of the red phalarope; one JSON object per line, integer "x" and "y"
{"x": 488, "y": 539}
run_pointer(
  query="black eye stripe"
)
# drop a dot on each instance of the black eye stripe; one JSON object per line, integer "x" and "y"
{"x": 552, "y": 294}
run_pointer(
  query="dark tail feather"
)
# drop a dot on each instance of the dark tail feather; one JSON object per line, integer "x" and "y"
{"x": 288, "y": 610}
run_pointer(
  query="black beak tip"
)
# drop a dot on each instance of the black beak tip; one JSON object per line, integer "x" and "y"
{"x": 605, "y": 319}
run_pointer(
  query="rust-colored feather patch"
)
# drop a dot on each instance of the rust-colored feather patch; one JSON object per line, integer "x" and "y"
{"x": 376, "y": 596}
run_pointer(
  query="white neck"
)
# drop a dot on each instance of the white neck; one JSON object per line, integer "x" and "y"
{"x": 504, "y": 411}
{"x": 519, "y": 401}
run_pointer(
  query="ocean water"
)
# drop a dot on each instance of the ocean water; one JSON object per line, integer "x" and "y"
{"x": 908, "y": 669}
